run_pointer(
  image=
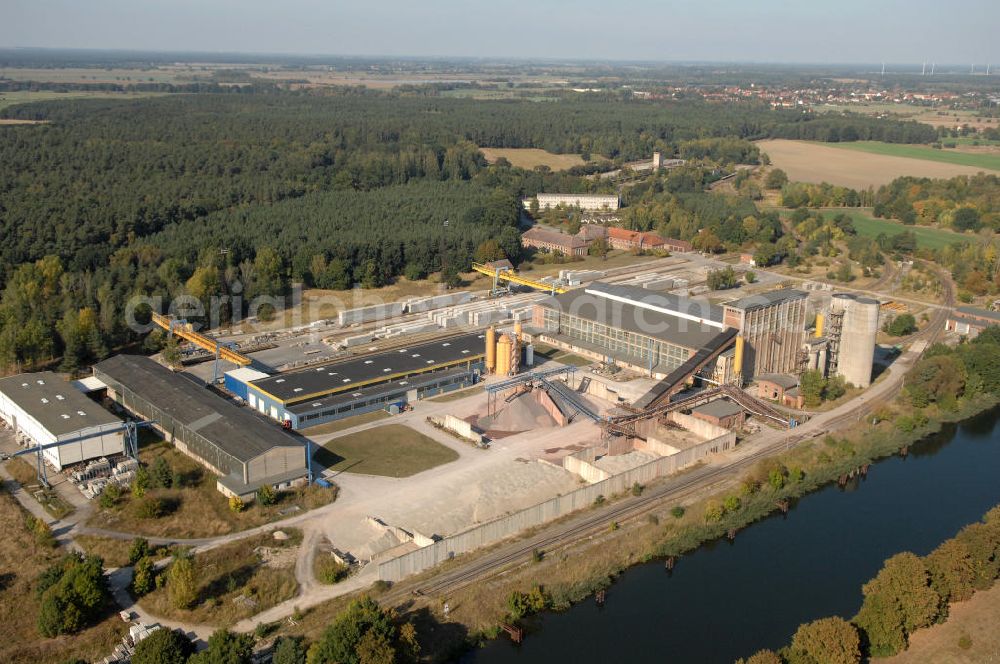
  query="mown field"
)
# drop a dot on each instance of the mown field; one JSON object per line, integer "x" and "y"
{"x": 531, "y": 157}
{"x": 977, "y": 160}
{"x": 927, "y": 238}
{"x": 806, "y": 161}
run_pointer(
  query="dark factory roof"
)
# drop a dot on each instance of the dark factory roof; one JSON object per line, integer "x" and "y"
{"x": 685, "y": 306}
{"x": 391, "y": 364}
{"x": 767, "y": 299}
{"x": 652, "y": 323}
{"x": 364, "y": 393}
{"x": 236, "y": 431}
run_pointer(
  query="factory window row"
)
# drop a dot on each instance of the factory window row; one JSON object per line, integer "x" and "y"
{"x": 616, "y": 340}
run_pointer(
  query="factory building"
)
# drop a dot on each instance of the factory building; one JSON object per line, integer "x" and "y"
{"x": 654, "y": 333}
{"x": 243, "y": 449}
{"x": 366, "y": 383}
{"x": 42, "y": 408}
{"x": 772, "y": 326}
{"x": 554, "y": 241}
{"x": 582, "y": 201}
{"x": 970, "y": 321}
{"x": 851, "y": 325}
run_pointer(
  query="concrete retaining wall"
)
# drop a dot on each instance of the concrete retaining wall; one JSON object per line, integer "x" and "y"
{"x": 582, "y": 463}
{"x": 545, "y": 401}
{"x": 697, "y": 426}
{"x": 657, "y": 447}
{"x": 508, "y": 526}
{"x": 459, "y": 427}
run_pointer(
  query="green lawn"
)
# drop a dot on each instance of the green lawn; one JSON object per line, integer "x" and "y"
{"x": 927, "y": 238}
{"x": 985, "y": 161}
{"x": 393, "y": 451}
{"x": 346, "y": 423}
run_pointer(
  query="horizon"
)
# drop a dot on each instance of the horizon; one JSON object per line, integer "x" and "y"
{"x": 486, "y": 58}
{"x": 772, "y": 32}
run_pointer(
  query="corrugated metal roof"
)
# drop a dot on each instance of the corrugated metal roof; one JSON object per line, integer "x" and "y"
{"x": 237, "y": 431}
{"x": 982, "y": 313}
{"x": 651, "y": 323}
{"x": 767, "y": 299}
{"x": 55, "y": 403}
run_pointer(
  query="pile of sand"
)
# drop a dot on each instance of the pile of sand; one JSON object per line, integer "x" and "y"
{"x": 521, "y": 414}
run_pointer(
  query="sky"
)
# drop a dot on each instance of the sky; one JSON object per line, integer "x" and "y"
{"x": 793, "y": 31}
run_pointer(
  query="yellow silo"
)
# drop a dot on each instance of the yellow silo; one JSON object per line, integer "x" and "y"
{"x": 517, "y": 331}
{"x": 819, "y": 325}
{"x": 503, "y": 355}
{"x": 738, "y": 357}
{"x": 491, "y": 350}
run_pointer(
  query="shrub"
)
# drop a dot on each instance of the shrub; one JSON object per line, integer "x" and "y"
{"x": 110, "y": 495}
{"x": 73, "y": 592}
{"x": 600, "y": 500}
{"x": 537, "y": 556}
{"x": 140, "y": 483}
{"x": 965, "y": 642}
{"x": 149, "y": 507}
{"x": 637, "y": 489}
{"x": 164, "y": 646}
{"x": 182, "y": 586}
{"x": 143, "y": 577}
{"x": 266, "y": 495}
{"x": 236, "y": 504}
{"x": 677, "y": 511}
{"x": 161, "y": 475}
{"x": 731, "y": 504}
{"x": 329, "y": 570}
{"x": 138, "y": 550}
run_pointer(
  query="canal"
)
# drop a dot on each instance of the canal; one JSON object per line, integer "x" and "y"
{"x": 728, "y": 600}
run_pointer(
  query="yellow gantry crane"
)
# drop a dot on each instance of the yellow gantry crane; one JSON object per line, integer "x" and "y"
{"x": 184, "y": 330}
{"x": 506, "y": 274}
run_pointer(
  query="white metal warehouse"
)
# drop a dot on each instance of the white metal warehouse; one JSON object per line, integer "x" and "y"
{"x": 43, "y": 408}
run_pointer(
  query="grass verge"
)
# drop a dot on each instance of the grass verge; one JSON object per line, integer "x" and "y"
{"x": 236, "y": 581}
{"x": 393, "y": 451}
{"x": 195, "y": 508}
{"x": 346, "y": 423}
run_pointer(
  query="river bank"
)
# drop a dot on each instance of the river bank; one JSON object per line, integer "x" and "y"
{"x": 574, "y": 573}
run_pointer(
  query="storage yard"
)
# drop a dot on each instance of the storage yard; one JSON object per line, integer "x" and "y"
{"x": 663, "y": 380}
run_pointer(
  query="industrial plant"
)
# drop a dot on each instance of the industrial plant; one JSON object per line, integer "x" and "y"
{"x": 567, "y": 386}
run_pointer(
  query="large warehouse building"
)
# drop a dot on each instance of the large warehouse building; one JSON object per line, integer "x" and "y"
{"x": 244, "y": 449}
{"x": 654, "y": 333}
{"x": 670, "y": 337}
{"x": 42, "y": 409}
{"x": 366, "y": 383}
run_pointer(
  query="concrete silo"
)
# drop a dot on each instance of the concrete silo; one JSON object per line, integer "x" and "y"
{"x": 852, "y": 326}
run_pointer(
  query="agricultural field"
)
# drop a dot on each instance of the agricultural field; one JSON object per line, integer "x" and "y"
{"x": 927, "y": 238}
{"x": 531, "y": 157}
{"x": 26, "y": 97}
{"x": 392, "y": 451}
{"x": 984, "y": 160}
{"x": 815, "y": 162}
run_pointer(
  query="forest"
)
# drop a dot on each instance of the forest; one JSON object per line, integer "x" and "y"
{"x": 187, "y": 193}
